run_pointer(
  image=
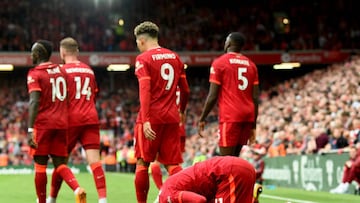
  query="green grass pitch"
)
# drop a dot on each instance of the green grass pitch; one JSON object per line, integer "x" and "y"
{"x": 20, "y": 189}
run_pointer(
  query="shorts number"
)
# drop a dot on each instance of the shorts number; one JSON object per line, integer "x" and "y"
{"x": 82, "y": 89}
{"x": 242, "y": 78}
{"x": 219, "y": 200}
{"x": 58, "y": 88}
{"x": 167, "y": 73}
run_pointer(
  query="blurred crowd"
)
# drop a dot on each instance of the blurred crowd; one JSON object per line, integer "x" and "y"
{"x": 186, "y": 25}
{"x": 312, "y": 114}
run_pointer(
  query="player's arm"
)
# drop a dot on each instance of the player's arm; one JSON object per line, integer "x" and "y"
{"x": 255, "y": 95}
{"x": 184, "y": 96}
{"x": 209, "y": 104}
{"x": 33, "y": 111}
{"x": 145, "y": 95}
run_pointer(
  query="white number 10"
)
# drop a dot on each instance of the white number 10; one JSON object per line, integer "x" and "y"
{"x": 242, "y": 78}
{"x": 167, "y": 73}
{"x": 58, "y": 92}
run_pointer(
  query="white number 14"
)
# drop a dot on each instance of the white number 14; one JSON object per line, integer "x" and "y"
{"x": 82, "y": 89}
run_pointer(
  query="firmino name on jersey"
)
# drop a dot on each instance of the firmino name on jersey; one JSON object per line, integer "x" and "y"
{"x": 239, "y": 61}
{"x": 79, "y": 70}
{"x": 53, "y": 70}
{"x": 163, "y": 56}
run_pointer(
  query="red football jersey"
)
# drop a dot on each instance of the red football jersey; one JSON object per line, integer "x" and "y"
{"x": 82, "y": 89}
{"x": 165, "y": 71}
{"x": 49, "y": 79}
{"x": 205, "y": 177}
{"x": 236, "y": 75}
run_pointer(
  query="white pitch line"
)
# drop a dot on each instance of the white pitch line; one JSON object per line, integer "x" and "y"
{"x": 286, "y": 199}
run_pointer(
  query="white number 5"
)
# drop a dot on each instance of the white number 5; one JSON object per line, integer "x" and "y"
{"x": 242, "y": 78}
{"x": 167, "y": 73}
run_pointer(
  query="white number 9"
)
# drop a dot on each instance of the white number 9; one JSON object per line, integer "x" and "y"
{"x": 167, "y": 73}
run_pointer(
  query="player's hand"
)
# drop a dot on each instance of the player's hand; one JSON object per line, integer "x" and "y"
{"x": 31, "y": 140}
{"x": 148, "y": 131}
{"x": 201, "y": 127}
{"x": 252, "y": 137}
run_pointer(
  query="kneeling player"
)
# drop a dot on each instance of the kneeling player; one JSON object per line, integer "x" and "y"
{"x": 222, "y": 179}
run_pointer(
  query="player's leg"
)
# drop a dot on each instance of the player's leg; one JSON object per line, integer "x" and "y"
{"x": 233, "y": 135}
{"x": 59, "y": 156}
{"x": 156, "y": 174}
{"x": 56, "y": 179}
{"x": 93, "y": 158}
{"x": 40, "y": 154}
{"x": 90, "y": 140}
{"x": 142, "y": 180}
{"x": 170, "y": 153}
{"x": 40, "y": 177}
{"x": 145, "y": 152}
{"x": 56, "y": 182}
{"x": 65, "y": 173}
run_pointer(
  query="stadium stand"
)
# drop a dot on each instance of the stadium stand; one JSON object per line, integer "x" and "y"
{"x": 186, "y": 25}
{"x": 289, "y": 122}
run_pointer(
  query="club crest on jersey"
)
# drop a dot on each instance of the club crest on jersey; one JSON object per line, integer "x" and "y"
{"x": 138, "y": 65}
{"x": 30, "y": 80}
{"x": 212, "y": 70}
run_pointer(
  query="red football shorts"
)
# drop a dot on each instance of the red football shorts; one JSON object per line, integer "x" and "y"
{"x": 238, "y": 186}
{"x": 166, "y": 144}
{"x": 50, "y": 142}
{"x": 234, "y": 133}
{"x": 87, "y": 135}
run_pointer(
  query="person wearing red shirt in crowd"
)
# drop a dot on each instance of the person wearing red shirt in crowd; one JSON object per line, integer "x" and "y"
{"x": 234, "y": 80}
{"x": 351, "y": 172}
{"x": 159, "y": 72}
{"x": 155, "y": 166}
{"x": 48, "y": 120}
{"x": 225, "y": 179}
{"x": 83, "y": 116}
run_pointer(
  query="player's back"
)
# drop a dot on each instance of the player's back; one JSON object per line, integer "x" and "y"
{"x": 236, "y": 74}
{"x": 82, "y": 89}
{"x": 164, "y": 68}
{"x": 49, "y": 79}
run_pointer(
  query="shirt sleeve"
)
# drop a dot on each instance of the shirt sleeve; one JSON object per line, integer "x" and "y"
{"x": 33, "y": 82}
{"x": 144, "y": 89}
{"x": 215, "y": 73}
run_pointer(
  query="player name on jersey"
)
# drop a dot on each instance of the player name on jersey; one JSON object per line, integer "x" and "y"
{"x": 55, "y": 70}
{"x": 79, "y": 70}
{"x": 163, "y": 56}
{"x": 239, "y": 61}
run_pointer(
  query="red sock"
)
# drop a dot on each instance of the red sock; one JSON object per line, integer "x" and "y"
{"x": 174, "y": 169}
{"x": 40, "y": 182}
{"x": 56, "y": 181}
{"x": 156, "y": 175}
{"x": 141, "y": 183}
{"x": 68, "y": 176}
{"x": 99, "y": 178}
{"x": 191, "y": 197}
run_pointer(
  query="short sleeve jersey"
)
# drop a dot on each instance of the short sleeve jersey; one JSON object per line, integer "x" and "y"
{"x": 164, "y": 69}
{"x": 49, "y": 79}
{"x": 236, "y": 75}
{"x": 82, "y": 89}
